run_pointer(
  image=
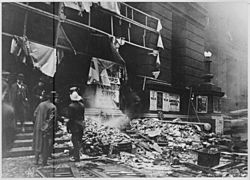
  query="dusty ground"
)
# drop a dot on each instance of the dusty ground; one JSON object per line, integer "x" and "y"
{"x": 24, "y": 167}
{"x": 19, "y": 167}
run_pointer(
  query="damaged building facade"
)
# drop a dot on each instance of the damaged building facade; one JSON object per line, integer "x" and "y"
{"x": 145, "y": 59}
{"x": 145, "y": 72}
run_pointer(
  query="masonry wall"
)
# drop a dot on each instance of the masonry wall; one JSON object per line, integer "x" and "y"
{"x": 164, "y": 13}
{"x": 183, "y": 38}
{"x": 188, "y": 43}
{"x": 227, "y": 36}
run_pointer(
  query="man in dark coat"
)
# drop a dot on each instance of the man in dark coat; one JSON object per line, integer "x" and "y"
{"x": 38, "y": 94}
{"x": 5, "y": 87}
{"x": 19, "y": 100}
{"x": 8, "y": 118}
{"x": 45, "y": 115}
{"x": 76, "y": 122}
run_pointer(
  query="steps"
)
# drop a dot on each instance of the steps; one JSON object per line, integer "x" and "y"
{"x": 22, "y": 145}
{"x": 20, "y": 151}
{"x": 97, "y": 111}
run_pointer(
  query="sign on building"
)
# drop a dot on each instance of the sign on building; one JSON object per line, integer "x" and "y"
{"x": 104, "y": 75}
{"x": 162, "y": 101}
{"x": 153, "y": 101}
{"x": 166, "y": 105}
{"x": 201, "y": 104}
{"x": 216, "y": 104}
{"x": 219, "y": 124}
{"x": 107, "y": 97}
{"x": 174, "y": 102}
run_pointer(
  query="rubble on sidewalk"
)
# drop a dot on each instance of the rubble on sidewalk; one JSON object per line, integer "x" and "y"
{"x": 154, "y": 148}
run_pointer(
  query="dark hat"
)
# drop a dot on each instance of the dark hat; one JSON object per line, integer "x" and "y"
{"x": 42, "y": 79}
{"x": 20, "y": 76}
{"x": 73, "y": 88}
{"x": 5, "y": 73}
{"x": 52, "y": 94}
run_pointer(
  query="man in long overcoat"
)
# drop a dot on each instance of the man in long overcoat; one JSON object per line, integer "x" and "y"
{"x": 19, "y": 100}
{"x": 76, "y": 122}
{"x": 45, "y": 115}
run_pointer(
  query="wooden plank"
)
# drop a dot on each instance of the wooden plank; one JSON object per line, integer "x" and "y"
{"x": 199, "y": 168}
{"x": 193, "y": 63}
{"x": 167, "y": 34}
{"x": 161, "y": 11}
{"x": 192, "y": 36}
{"x": 71, "y": 22}
{"x": 75, "y": 172}
{"x": 189, "y": 12}
{"x": 196, "y": 30}
{"x": 193, "y": 45}
{"x": 194, "y": 54}
{"x": 189, "y": 70}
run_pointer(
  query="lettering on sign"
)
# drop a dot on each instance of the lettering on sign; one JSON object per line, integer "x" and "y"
{"x": 153, "y": 101}
{"x": 201, "y": 104}
{"x": 114, "y": 80}
{"x": 107, "y": 97}
{"x": 174, "y": 102}
{"x": 165, "y": 102}
{"x": 219, "y": 124}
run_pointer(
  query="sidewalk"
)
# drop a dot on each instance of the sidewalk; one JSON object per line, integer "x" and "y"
{"x": 19, "y": 167}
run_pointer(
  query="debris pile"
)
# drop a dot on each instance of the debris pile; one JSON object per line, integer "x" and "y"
{"x": 150, "y": 144}
{"x": 99, "y": 138}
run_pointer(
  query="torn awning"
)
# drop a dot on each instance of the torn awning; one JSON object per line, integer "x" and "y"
{"x": 80, "y": 6}
{"x": 44, "y": 58}
{"x": 102, "y": 47}
{"x": 40, "y": 56}
{"x": 111, "y": 6}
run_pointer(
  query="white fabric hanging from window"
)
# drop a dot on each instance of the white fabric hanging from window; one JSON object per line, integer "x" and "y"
{"x": 44, "y": 58}
{"x": 112, "y": 6}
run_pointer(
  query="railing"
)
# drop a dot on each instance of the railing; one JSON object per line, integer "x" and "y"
{"x": 147, "y": 16}
{"x": 128, "y": 16}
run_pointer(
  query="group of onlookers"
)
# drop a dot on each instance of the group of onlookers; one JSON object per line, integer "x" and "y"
{"x": 41, "y": 106}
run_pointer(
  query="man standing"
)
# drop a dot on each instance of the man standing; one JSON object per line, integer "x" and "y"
{"x": 38, "y": 93}
{"x": 5, "y": 87}
{"x": 19, "y": 100}
{"x": 45, "y": 115}
{"x": 76, "y": 122}
{"x": 8, "y": 118}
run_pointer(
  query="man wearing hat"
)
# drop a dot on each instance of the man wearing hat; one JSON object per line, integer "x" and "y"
{"x": 8, "y": 119}
{"x": 38, "y": 93}
{"x": 76, "y": 122}
{"x": 45, "y": 119}
{"x": 5, "y": 86}
{"x": 19, "y": 100}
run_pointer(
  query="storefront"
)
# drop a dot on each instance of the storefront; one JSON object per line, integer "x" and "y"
{"x": 67, "y": 41}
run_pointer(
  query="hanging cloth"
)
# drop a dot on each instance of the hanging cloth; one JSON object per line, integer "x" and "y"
{"x": 85, "y": 6}
{"x": 72, "y": 5}
{"x": 111, "y": 6}
{"x": 44, "y": 58}
{"x": 105, "y": 78}
{"x": 93, "y": 76}
{"x": 79, "y": 6}
{"x": 156, "y": 74}
{"x": 60, "y": 55}
{"x": 159, "y": 42}
{"x": 159, "y": 26}
{"x": 158, "y": 62}
{"x": 20, "y": 47}
{"x": 64, "y": 40}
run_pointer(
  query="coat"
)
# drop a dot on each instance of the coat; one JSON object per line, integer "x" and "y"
{"x": 19, "y": 100}
{"x": 45, "y": 116}
{"x": 76, "y": 112}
